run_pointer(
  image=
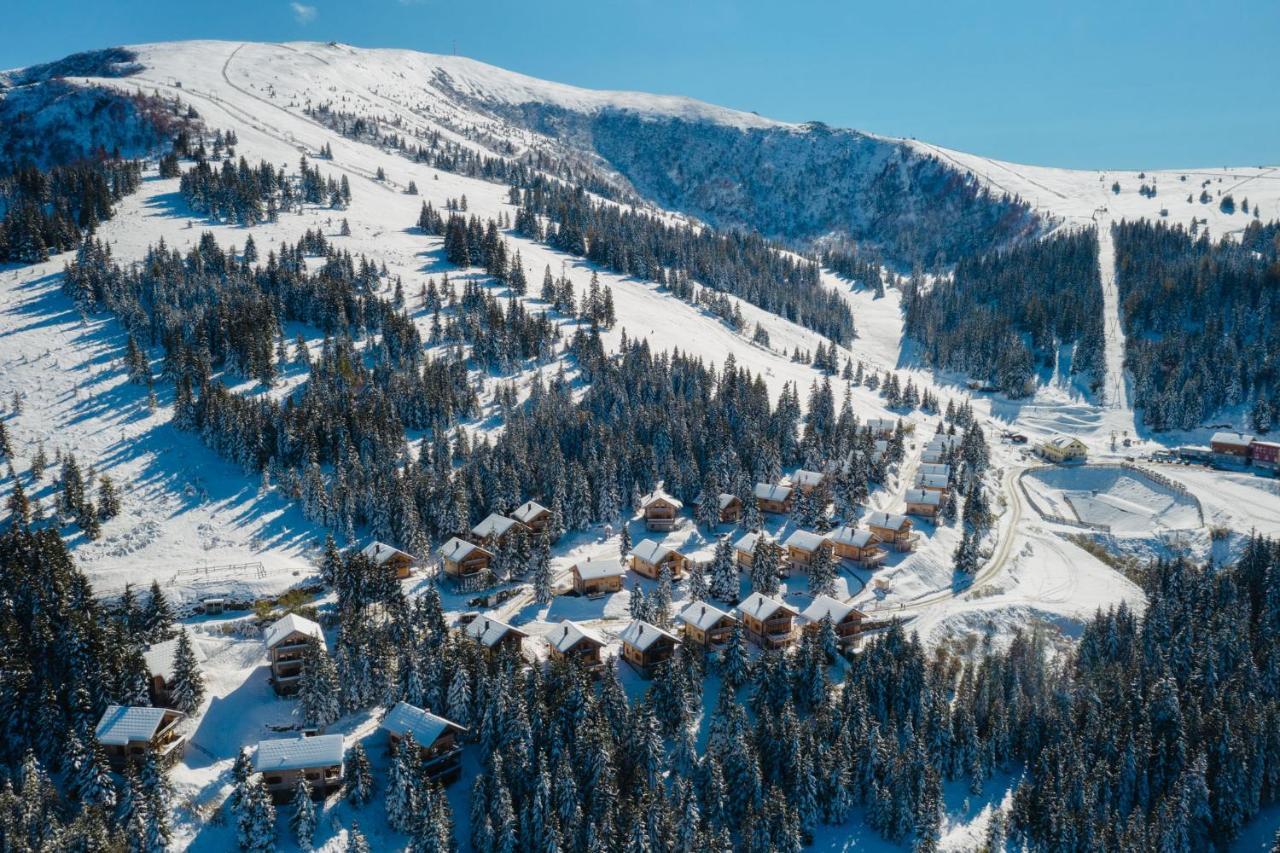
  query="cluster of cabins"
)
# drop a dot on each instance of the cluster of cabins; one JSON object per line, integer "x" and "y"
{"x": 932, "y": 487}
{"x": 466, "y": 561}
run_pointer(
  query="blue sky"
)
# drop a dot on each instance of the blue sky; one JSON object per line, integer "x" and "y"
{"x": 1118, "y": 84}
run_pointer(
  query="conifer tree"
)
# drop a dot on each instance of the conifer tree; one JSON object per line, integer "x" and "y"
{"x": 303, "y": 819}
{"x": 188, "y": 681}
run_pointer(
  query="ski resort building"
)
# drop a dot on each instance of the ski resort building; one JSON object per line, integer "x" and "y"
{"x": 846, "y": 619}
{"x": 494, "y": 635}
{"x": 744, "y": 550}
{"x": 648, "y": 557}
{"x": 381, "y": 554}
{"x": 130, "y": 733}
{"x": 1265, "y": 454}
{"x": 1062, "y": 448}
{"x": 496, "y": 529}
{"x": 770, "y": 623}
{"x": 659, "y": 510}
{"x": 572, "y": 643}
{"x": 859, "y": 546}
{"x": 646, "y": 647}
{"x": 594, "y": 578}
{"x": 773, "y": 498}
{"x": 439, "y": 753}
{"x": 892, "y": 530}
{"x": 533, "y": 515}
{"x": 729, "y": 507}
{"x": 706, "y": 625}
{"x": 286, "y": 640}
{"x": 923, "y": 502}
{"x": 159, "y": 659}
{"x": 1230, "y": 447}
{"x": 284, "y": 761}
{"x": 801, "y": 545}
{"x": 466, "y": 563}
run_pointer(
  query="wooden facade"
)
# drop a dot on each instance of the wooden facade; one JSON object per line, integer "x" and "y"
{"x": 597, "y": 577}
{"x": 533, "y": 515}
{"x": 1063, "y": 448}
{"x": 744, "y": 550}
{"x": 706, "y": 625}
{"x": 439, "y": 753}
{"x": 859, "y": 546}
{"x": 285, "y": 761}
{"x": 893, "y": 530}
{"x": 923, "y": 502}
{"x": 769, "y": 623}
{"x": 494, "y": 635}
{"x": 659, "y": 510}
{"x": 571, "y": 643}
{"x": 774, "y": 498}
{"x": 381, "y": 554}
{"x": 286, "y": 641}
{"x": 130, "y": 733}
{"x": 801, "y": 547}
{"x": 648, "y": 557}
{"x": 646, "y": 647}
{"x": 463, "y": 560}
{"x": 847, "y": 620}
{"x": 807, "y": 481}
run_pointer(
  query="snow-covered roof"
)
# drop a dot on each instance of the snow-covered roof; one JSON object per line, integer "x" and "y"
{"x": 805, "y": 540}
{"x": 851, "y": 536}
{"x": 380, "y": 552}
{"x": 658, "y": 495}
{"x": 489, "y": 631}
{"x": 283, "y": 627}
{"x": 594, "y": 570}
{"x": 935, "y": 468}
{"x": 122, "y": 724}
{"x": 881, "y": 424}
{"x": 1065, "y": 442}
{"x": 568, "y": 633}
{"x": 425, "y": 726}
{"x": 748, "y": 541}
{"x": 722, "y": 500}
{"x": 772, "y": 492}
{"x": 806, "y": 478}
{"x": 159, "y": 657}
{"x": 528, "y": 511}
{"x": 760, "y": 606}
{"x": 649, "y": 551}
{"x": 641, "y": 635}
{"x": 931, "y": 456}
{"x": 494, "y": 525}
{"x": 880, "y": 446}
{"x": 298, "y": 753}
{"x": 941, "y": 442}
{"x": 702, "y": 616}
{"x": 922, "y": 496}
{"x": 824, "y": 606}
{"x": 938, "y": 481}
{"x": 886, "y": 520}
{"x": 1231, "y": 439}
{"x": 460, "y": 549}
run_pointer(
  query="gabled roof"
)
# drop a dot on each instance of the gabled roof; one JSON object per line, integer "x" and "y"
{"x": 380, "y": 552}
{"x": 722, "y": 500}
{"x": 528, "y": 511}
{"x": 851, "y": 536}
{"x": 568, "y": 634}
{"x": 490, "y": 631}
{"x": 942, "y": 442}
{"x": 748, "y": 541}
{"x": 880, "y": 446}
{"x": 425, "y": 726}
{"x": 121, "y": 724}
{"x": 159, "y": 657}
{"x": 1231, "y": 439}
{"x": 460, "y": 549}
{"x": 935, "y": 468}
{"x": 702, "y": 616}
{"x": 824, "y": 606}
{"x": 760, "y": 606}
{"x": 884, "y": 519}
{"x": 649, "y": 551}
{"x": 878, "y": 424}
{"x": 806, "y": 478}
{"x": 494, "y": 525}
{"x": 594, "y": 570}
{"x": 298, "y": 753}
{"x": 1064, "y": 442}
{"x": 772, "y": 492}
{"x": 937, "y": 480}
{"x": 658, "y": 495}
{"x": 922, "y": 496}
{"x": 282, "y": 628}
{"x": 805, "y": 540}
{"x": 641, "y": 635}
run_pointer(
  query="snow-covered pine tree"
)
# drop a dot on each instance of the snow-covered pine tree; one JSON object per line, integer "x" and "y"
{"x": 318, "y": 688}
{"x": 188, "y": 681}
{"x": 302, "y": 820}
{"x": 724, "y": 584}
{"x": 359, "y": 788}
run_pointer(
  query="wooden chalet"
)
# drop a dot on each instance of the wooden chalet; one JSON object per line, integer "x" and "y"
{"x": 769, "y": 623}
{"x": 1063, "y": 448}
{"x": 466, "y": 562}
{"x": 659, "y": 510}
{"x": 533, "y": 515}
{"x": 494, "y": 635}
{"x": 706, "y": 625}
{"x": 496, "y": 529}
{"x": 381, "y": 554}
{"x": 439, "y": 753}
{"x": 159, "y": 659}
{"x": 846, "y": 619}
{"x": 286, "y": 640}
{"x": 801, "y": 545}
{"x": 923, "y": 502}
{"x": 882, "y": 427}
{"x": 940, "y": 469}
{"x": 594, "y": 578}
{"x": 130, "y": 733}
{"x": 932, "y": 482}
{"x": 744, "y": 550}
{"x": 283, "y": 761}
{"x": 851, "y": 543}
{"x": 774, "y": 498}
{"x": 807, "y": 481}
{"x": 572, "y": 643}
{"x": 729, "y": 507}
{"x": 648, "y": 557}
{"x": 891, "y": 529}
{"x": 646, "y": 647}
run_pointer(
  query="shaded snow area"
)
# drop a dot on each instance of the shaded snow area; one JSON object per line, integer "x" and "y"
{"x": 1124, "y": 501}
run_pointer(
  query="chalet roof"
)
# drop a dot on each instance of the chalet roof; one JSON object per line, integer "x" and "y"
{"x": 941, "y": 442}
{"x": 935, "y": 480}
{"x": 159, "y": 657}
{"x": 881, "y": 424}
{"x": 649, "y": 551}
{"x": 887, "y": 520}
{"x": 880, "y": 447}
{"x": 658, "y": 495}
{"x": 824, "y": 606}
{"x": 122, "y": 724}
{"x": 425, "y": 726}
{"x": 568, "y": 634}
{"x": 1231, "y": 439}
{"x": 702, "y": 616}
{"x": 282, "y": 628}
{"x": 641, "y": 635}
{"x": 923, "y": 496}
{"x": 1065, "y": 442}
{"x": 489, "y": 631}
{"x": 772, "y": 492}
{"x": 760, "y": 606}
{"x": 594, "y": 570}
{"x": 528, "y": 511}
{"x": 806, "y": 478}
{"x": 460, "y": 549}
{"x": 298, "y": 753}
{"x": 851, "y": 536}
{"x": 748, "y": 541}
{"x": 935, "y": 468}
{"x": 722, "y": 500}
{"x": 931, "y": 456}
{"x": 805, "y": 540}
{"x": 494, "y": 525}
{"x": 380, "y": 552}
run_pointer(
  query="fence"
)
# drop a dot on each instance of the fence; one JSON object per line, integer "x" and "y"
{"x": 226, "y": 571}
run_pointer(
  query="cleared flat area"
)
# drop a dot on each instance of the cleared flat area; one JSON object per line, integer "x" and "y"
{"x": 1129, "y": 503}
